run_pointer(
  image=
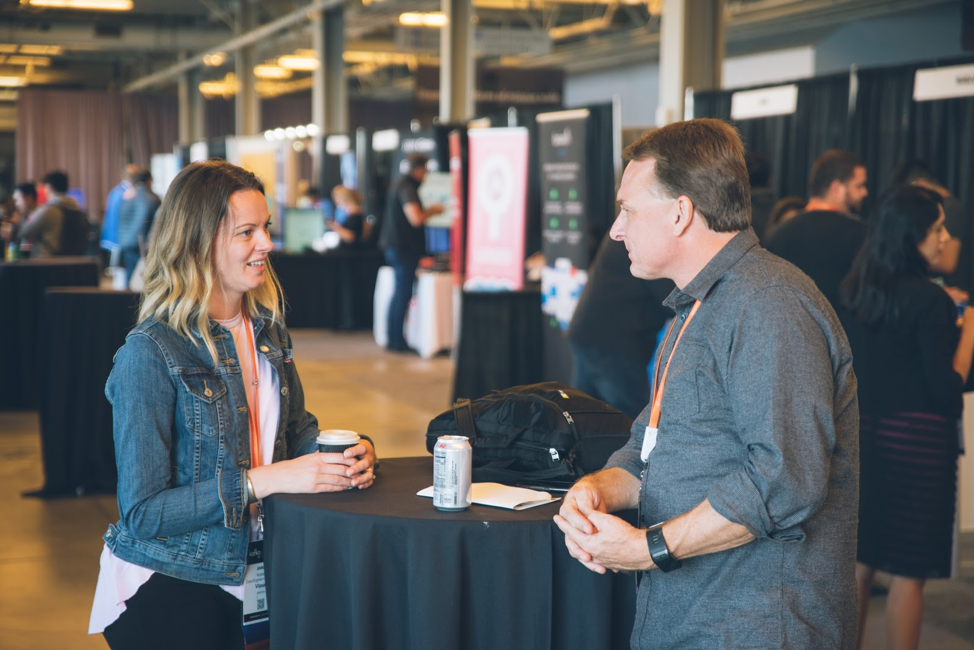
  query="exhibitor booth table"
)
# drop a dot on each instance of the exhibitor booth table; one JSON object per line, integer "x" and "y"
{"x": 22, "y": 286}
{"x": 332, "y": 290}
{"x": 82, "y": 328}
{"x": 429, "y": 320}
{"x": 382, "y": 568}
{"x": 500, "y": 341}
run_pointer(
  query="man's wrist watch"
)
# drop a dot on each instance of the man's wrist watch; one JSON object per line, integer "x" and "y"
{"x": 658, "y": 550}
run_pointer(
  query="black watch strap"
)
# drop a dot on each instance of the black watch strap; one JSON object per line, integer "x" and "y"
{"x": 658, "y": 550}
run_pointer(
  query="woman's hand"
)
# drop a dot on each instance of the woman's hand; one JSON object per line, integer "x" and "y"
{"x": 317, "y": 472}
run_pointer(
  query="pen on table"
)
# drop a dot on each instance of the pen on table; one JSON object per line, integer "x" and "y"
{"x": 542, "y": 488}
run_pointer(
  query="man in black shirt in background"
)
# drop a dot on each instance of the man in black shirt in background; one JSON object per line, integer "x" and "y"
{"x": 403, "y": 242}
{"x": 823, "y": 241}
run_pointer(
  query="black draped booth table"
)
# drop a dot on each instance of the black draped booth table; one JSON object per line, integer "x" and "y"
{"x": 500, "y": 341}
{"x": 331, "y": 291}
{"x": 382, "y": 568}
{"x": 82, "y": 328}
{"x": 22, "y": 286}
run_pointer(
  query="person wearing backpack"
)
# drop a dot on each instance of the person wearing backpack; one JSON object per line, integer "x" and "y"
{"x": 42, "y": 233}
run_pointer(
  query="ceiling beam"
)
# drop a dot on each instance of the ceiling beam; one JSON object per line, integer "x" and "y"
{"x": 267, "y": 30}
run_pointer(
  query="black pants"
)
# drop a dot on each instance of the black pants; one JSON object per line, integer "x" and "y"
{"x": 167, "y": 613}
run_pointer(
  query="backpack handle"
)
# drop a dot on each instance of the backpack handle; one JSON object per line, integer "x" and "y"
{"x": 463, "y": 414}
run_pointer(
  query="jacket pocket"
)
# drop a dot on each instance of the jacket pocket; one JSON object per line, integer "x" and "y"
{"x": 205, "y": 395}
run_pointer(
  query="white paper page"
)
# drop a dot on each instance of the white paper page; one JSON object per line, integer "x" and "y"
{"x": 502, "y": 496}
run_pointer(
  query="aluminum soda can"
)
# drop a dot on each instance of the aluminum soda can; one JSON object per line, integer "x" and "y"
{"x": 452, "y": 467}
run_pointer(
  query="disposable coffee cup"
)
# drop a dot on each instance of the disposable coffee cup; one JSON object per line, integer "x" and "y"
{"x": 335, "y": 441}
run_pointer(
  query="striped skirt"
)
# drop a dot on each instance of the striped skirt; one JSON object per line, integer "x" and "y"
{"x": 907, "y": 493}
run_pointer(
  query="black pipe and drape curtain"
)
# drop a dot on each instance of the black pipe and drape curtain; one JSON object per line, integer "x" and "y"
{"x": 790, "y": 142}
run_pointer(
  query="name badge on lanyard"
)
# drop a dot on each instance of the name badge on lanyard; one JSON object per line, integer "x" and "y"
{"x": 652, "y": 429}
{"x": 256, "y": 618}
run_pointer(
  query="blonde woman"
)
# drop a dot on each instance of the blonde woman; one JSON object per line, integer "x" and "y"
{"x": 349, "y": 222}
{"x": 209, "y": 418}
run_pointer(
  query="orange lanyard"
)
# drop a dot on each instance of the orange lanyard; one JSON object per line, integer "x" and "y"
{"x": 254, "y": 413}
{"x": 658, "y": 392}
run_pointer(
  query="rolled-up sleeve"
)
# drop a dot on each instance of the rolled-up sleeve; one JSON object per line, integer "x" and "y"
{"x": 780, "y": 383}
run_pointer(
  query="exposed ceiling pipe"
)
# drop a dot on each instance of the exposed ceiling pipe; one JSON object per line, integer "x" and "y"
{"x": 234, "y": 44}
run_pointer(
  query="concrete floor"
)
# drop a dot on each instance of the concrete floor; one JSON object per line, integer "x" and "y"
{"x": 49, "y": 548}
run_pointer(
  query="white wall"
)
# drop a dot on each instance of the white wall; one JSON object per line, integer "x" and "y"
{"x": 907, "y": 37}
{"x": 768, "y": 67}
{"x": 636, "y": 85}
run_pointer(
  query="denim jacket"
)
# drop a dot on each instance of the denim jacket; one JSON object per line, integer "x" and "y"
{"x": 182, "y": 445}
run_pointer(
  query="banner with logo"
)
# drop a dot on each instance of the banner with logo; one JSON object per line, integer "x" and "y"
{"x": 496, "y": 208}
{"x": 565, "y": 207}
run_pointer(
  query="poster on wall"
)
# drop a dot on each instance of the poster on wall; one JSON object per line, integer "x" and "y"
{"x": 497, "y": 205}
{"x": 564, "y": 230}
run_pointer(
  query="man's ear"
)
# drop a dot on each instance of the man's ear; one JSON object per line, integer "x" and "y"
{"x": 684, "y": 216}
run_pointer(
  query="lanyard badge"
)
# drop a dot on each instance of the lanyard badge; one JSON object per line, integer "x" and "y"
{"x": 659, "y": 383}
{"x": 256, "y": 618}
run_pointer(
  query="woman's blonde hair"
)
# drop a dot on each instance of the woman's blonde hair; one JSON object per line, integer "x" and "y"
{"x": 179, "y": 266}
{"x": 342, "y": 194}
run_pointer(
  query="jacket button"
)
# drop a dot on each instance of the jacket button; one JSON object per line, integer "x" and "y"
{"x": 284, "y": 390}
{"x": 264, "y": 348}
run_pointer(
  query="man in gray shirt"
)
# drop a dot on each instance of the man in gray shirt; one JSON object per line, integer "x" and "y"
{"x": 744, "y": 466}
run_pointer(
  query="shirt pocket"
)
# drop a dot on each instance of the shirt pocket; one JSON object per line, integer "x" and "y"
{"x": 681, "y": 399}
{"x": 205, "y": 400}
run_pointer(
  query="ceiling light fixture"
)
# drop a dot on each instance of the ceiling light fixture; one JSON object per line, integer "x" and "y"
{"x": 214, "y": 60}
{"x": 42, "y": 50}
{"x": 18, "y": 59}
{"x": 95, "y": 5}
{"x": 419, "y": 19}
{"x": 8, "y": 48}
{"x": 12, "y": 82}
{"x": 298, "y": 62}
{"x": 271, "y": 71}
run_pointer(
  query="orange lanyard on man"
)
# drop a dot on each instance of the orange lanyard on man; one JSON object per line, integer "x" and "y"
{"x": 254, "y": 412}
{"x": 652, "y": 429}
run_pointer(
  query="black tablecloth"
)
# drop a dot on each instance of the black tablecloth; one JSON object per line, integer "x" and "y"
{"x": 500, "y": 341}
{"x": 332, "y": 291}
{"x": 381, "y": 568}
{"x": 83, "y": 328}
{"x": 22, "y": 286}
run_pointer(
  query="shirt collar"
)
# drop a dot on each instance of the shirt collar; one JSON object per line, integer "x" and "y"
{"x": 709, "y": 275}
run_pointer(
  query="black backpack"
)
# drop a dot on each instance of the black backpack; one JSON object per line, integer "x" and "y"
{"x": 534, "y": 432}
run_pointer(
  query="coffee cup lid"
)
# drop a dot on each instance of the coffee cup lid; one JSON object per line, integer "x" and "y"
{"x": 337, "y": 437}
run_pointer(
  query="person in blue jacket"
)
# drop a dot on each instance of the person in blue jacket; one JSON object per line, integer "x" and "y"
{"x": 209, "y": 418}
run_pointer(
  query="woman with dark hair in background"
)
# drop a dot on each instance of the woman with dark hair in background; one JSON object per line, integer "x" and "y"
{"x": 911, "y": 360}
{"x": 209, "y": 418}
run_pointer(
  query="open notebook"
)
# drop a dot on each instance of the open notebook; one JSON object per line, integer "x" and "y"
{"x": 502, "y": 496}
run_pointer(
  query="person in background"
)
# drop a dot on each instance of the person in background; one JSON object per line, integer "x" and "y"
{"x": 613, "y": 330}
{"x": 135, "y": 217}
{"x": 823, "y": 240}
{"x": 762, "y": 194}
{"x": 42, "y": 231}
{"x": 911, "y": 360}
{"x": 784, "y": 209}
{"x": 745, "y": 465}
{"x": 954, "y": 263}
{"x": 403, "y": 242}
{"x": 109, "y": 225}
{"x": 25, "y": 202}
{"x": 349, "y": 221}
{"x": 209, "y": 418}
